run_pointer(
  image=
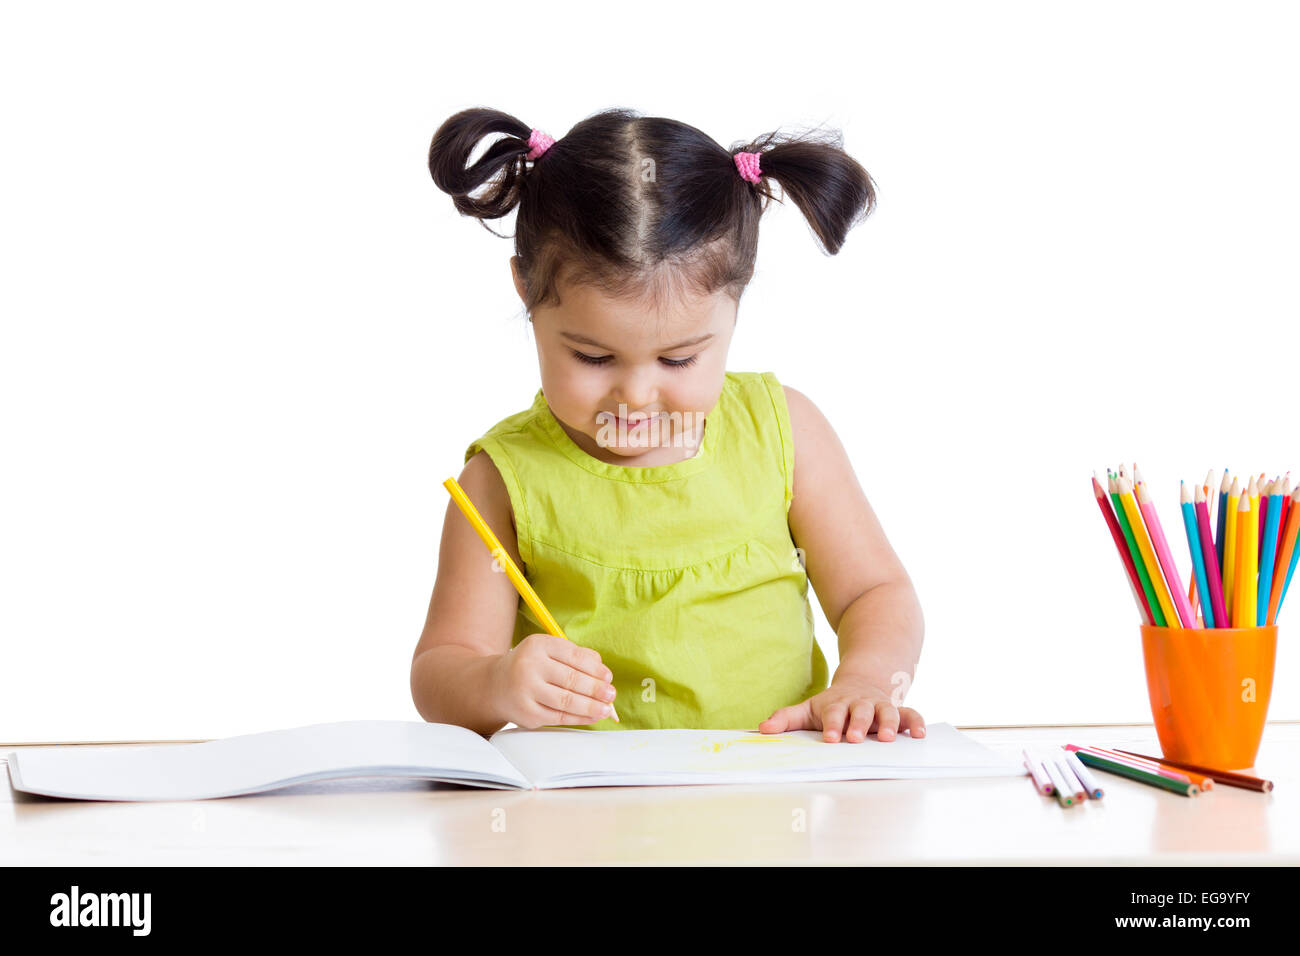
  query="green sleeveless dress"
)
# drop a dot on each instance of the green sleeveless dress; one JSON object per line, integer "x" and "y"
{"x": 683, "y": 577}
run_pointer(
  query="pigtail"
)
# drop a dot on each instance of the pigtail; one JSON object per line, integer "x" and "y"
{"x": 641, "y": 207}
{"x": 831, "y": 189}
{"x": 501, "y": 168}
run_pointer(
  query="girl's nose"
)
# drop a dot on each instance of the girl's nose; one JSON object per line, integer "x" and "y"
{"x": 638, "y": 391}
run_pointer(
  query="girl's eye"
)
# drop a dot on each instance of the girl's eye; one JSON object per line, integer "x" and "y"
{"x": 602, "y": 359}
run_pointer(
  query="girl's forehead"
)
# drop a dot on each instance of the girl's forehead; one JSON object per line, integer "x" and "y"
{"x": 586, "y": 313}
{"x": 582, "y": 339}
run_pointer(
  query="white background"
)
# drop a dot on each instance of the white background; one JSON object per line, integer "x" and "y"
{"x": 245, "y": 338}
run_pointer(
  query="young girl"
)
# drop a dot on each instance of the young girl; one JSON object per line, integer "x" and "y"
{"x": 668, "y": 513}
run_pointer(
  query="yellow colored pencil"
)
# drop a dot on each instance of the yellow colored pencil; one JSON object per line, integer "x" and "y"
{"x": 1240, "y": 574}
{"x": 1230, "y": 550}
{"x": 512, "y": 571}
{"x": 1250, "y": 563}
{"x": 1143, "y": 540}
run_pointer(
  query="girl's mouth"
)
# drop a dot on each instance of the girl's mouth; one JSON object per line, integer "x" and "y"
{"x": 623, "y": 423}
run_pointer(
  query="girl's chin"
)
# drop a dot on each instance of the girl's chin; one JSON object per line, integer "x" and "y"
{"x": 634, "y": 438}
{"x": 629, "y": 449}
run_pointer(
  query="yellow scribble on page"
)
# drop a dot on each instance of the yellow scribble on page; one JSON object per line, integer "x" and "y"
{"x": 722, "y": 745}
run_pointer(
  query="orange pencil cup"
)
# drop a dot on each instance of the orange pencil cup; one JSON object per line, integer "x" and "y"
{"x": 1209, "y": 690}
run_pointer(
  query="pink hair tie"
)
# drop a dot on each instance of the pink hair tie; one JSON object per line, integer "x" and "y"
{"x": 747, "y": 163}
{"x": 538, "y": 143}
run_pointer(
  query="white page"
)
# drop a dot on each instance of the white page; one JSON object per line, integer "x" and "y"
{"x": 265, "y": 761}
{"x": 567, "y": 756}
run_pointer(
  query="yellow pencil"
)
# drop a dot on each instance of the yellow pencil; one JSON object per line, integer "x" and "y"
{"x": 1230, "y": 550}
{"x": 512, "y": 571}
{"x": 1241, "y": 574}
{"x": 1250, "y": 562}
{"x": 1147, "y": 552}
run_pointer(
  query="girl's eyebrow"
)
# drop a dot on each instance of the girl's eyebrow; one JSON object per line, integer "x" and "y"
{"x": 679, "y": 345}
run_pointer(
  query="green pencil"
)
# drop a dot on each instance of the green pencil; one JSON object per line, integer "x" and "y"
{"x": 1155, "y": 779}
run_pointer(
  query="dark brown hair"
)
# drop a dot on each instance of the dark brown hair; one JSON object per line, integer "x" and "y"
{"x": 637, "y": 205}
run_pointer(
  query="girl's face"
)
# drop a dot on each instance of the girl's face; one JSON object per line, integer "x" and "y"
{"x": 602, "y": 359}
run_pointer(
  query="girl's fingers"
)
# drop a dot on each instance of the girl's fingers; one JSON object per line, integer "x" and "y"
{"x": 833, "y": 716}
{"x": 578, "y": 657}
{"x": 912, "y": 722}
{"x": 861, "y": 713}
{"x": 583, "y": 686}
{"x": 546, "y": 717}
{"x": 887, "y": 717}
{"x": 798, "y": 717}
{"x": 566, "y": 692}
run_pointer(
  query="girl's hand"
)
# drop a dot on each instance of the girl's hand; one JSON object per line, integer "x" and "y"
{"x": 862, "y": 706}
{"x": 545, "y": 679}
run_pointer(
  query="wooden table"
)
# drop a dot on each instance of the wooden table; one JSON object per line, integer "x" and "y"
{"x": 996, "y": 820}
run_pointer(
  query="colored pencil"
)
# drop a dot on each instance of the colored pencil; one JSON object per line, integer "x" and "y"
{"x": 1117, "y": 534}
{"x": 1247, "y": 557}
{"x": 1135, "y": 555}
{"x": 1243, "y": 542}
{"x": 1229, "y": 777}
{"x": 1064, "y": 792}
{"x": 1194, "y": 546}
{"x": 1210, "y": 559}
{"x": 1085, "y": 775}
{"x": 1268, "y": 553}
{"x": 1166, "y": 557}
{"x": 1286, "y": 507}
{"x": 1067, "y": 772}
{"x": 1142, "y": 776}
{"x": 1287, "y": 563}
{"x": 1147, "y": 765}
{"x": 1147, "y": 552}
{"x": 1039, "y": 775}
{"x": 1194, "y": 598}
{"x": 1222, "y": 518}
{"x": 1230, "y": 553}
{"x": 1204, "y": 781}
{"x": 1261, "y": 492}
{"x": 516, "y": 577}
{"x": 1193, "y": 592}
{"x": 1295, "y": 553}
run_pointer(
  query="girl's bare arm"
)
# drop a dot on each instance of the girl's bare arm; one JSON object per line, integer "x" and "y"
{"x": 464, "y": 670}
{"x": 471, "y": 616}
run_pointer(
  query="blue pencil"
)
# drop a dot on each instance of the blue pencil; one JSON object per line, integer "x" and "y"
{"x": 1198, "y": 560}
{"x": 1267, "y": 558}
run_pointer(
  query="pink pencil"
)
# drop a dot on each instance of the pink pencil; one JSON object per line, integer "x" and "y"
{"x": 1035, "y": 767}
{"x": 1172, "y": 579}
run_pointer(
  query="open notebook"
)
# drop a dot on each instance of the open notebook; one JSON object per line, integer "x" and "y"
{"x": 544, "y": 759}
